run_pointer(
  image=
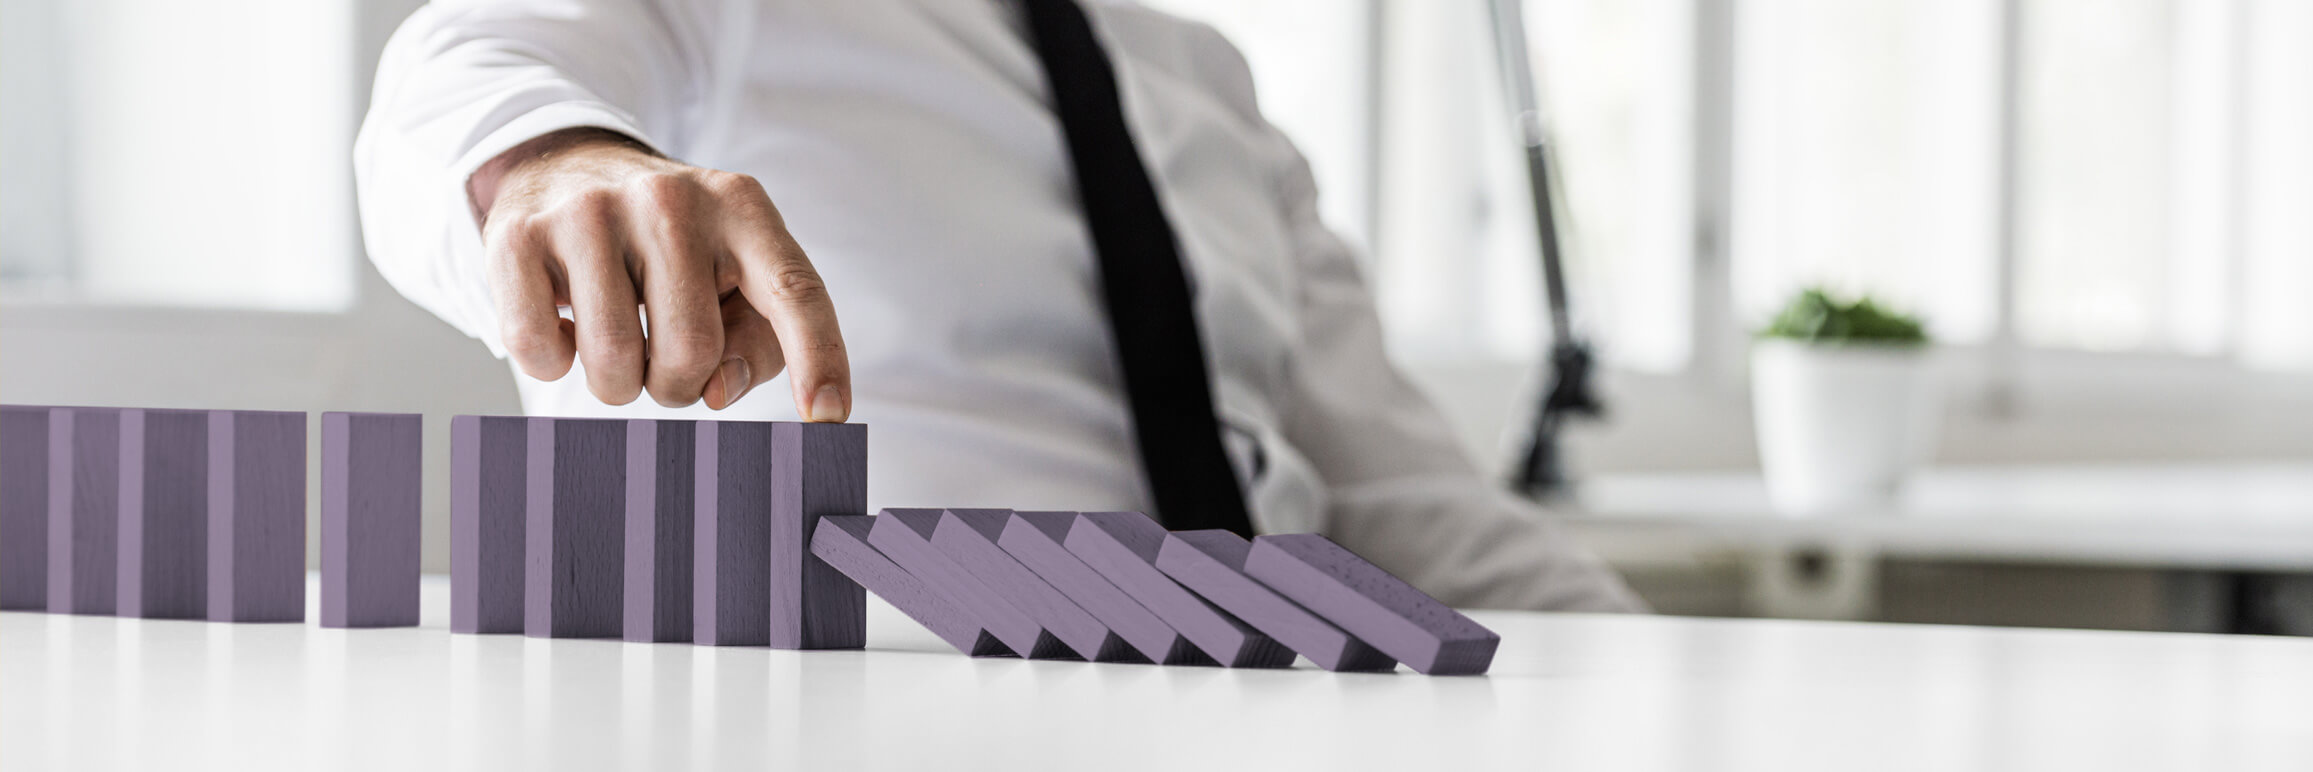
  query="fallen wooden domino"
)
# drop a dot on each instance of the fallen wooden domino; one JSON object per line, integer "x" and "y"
{"x": 256, "y": 516}
{"x": 842, "y": 541}
{"x": 905, "y": 536}
{"x": 370, "y": 481}
{"x": 1037, "y": 540}
{"x": 1211, "y": 562}
{"x": 489, "y": 513}
{"x": 968, "y": 537}
{"x": 83, "y": 510}
{"x": 1372, "y": 604}
{"x": 23, "y": 508}
{"x": 1122, "y": 547}
{"x": 164, "y": 526}
{"x": 661, "y": 483}
{"x": 575, "y": 531}
{"x": 817, "y": 470}
{"x": 730, "y": 568}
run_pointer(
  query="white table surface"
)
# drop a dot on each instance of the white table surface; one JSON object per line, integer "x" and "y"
{"x": 2244, "y": 516}
{"x": 1569, "y": 692}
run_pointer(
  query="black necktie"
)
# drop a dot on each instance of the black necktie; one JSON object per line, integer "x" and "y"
{"x": 1141, "y": 280}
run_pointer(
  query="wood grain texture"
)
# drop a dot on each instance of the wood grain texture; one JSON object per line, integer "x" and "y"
{"x": 256, "y": 514}
{"x": 968, "y": 537}
{"x": 164, "y": 517}
{"x": 1211, "y": 563}
{"x": 818, "y": 470}
{"x": 731, "y": 572}
{"x": 661, "y": 482}
{"x": 1036, "y": 538}
{"x": 489, "y": 522}
{"x": 575, "y": 532}
{"x": 905, "y": 536}
{"x": 842, "y": 541}
{"x": 371, "y": 478}
{"x": 23, "y": 508}
{"x": 83, "y": 510}
{"x": 1372, "y": 604}
{"x": 1122, "y": 547}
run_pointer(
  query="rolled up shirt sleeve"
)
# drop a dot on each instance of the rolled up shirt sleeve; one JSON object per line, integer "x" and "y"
{"x": 462, "y": 82}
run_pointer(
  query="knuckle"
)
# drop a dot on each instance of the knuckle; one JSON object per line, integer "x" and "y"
{"x": 529, "y": 343}
{"x": 618, "y": 350}
{"x": 733, "y": 184}
{"x": 797, "y": 283}
{"x": 593, "y": 206}
{"x": 664, "y": 191}
{"x": 685, "y": 352}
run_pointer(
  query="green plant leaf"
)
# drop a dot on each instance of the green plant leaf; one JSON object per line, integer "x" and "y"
{"x": 1817, "y": 316}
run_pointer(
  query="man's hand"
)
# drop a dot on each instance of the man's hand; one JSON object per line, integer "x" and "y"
{"x": 592, "y": 220}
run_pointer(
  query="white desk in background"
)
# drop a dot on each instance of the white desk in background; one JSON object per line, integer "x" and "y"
{"x": 2226, "y": 518}
{"x": 1571, "y": 692}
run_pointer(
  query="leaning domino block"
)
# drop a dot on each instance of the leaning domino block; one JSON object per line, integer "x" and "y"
{"x": 905, "y": 536}
{"x": 842, "y": 541}
{"x": 576, "y": 528}
{"x": 1035, "y": 539}
{"x": 817, "y": 470}
{"x": 730, "y": 592}
{"x": 23, "y": 508}
{"x": 256, "y": 516}
{"x": 489, "y": 514}
{"x": 83, "y": 510}
{"x": 164, "y": 524}
{"x": 968, "y": 537}
{"x": 370, "y": 478}
{"x": 1371, "y": 604}
{"x": 660, "y": 485}
{"x": 1123, "y": 547}
{"x": 1211, "y": 562}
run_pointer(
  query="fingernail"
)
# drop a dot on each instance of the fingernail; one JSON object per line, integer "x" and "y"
{"x": 827, "y": 405}
{"x": 735, "y": 380}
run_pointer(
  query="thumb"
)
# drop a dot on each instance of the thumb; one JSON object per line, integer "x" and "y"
{"x": 750, "y": 354}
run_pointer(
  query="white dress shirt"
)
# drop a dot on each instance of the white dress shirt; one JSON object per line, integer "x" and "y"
{"x": 909, "y": 145}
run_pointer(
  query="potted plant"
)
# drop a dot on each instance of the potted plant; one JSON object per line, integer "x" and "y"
{"x": 1846, "y": 400}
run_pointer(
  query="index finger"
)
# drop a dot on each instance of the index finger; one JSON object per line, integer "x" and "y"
{"x": 780, "y": 282}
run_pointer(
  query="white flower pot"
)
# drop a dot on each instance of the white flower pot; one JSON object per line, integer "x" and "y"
{"x": 1841, "y": 426}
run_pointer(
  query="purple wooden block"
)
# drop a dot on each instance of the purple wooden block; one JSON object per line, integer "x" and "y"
{"x": 968, "y": 536}
{"x": 164, "y": 514}
{"x": 489, "y": 517}
{"x": 1122, "y": 547}
{"x": 1212, "y": 563}
{"x": 660, "y": 483}
{"x": 818, "y": 469}
{"x": 23, "y": 508}
{"x": 256, "y": 516}
{"x": 370, "y": 481}
{"x": 842, "y": 541}
{"x": 576, "y": 529}
{"x": 905, "y": 536}
{"x": 1372, "y": 604}
{"x": 730, "y": 568}
{"x": 1036, "y": 538}
{"x": 83, "y": 509}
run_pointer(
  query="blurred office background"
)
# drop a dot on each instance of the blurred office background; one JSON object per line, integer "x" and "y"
{"x": 2101, "y": 208}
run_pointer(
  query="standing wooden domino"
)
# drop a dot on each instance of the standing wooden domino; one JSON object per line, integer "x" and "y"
{"x": 1373, "y": 605}
{"x": 1123, "y": 546}
{"x": 1035, "y": 539}
{"x": 731, "y": 573}
{"x": 256, "y": 516}
{"x": 905, "y": 536}
{"x": 661, "y": 482}
{"x": 842, "y": 541}
{"x": 574, "y": 586}
{"x": 370, "y": 482}
{"x": 23, "y": 508}
{"x": 968, "y": 537}
{"x": 83, "y": 510}
{"x": 489, "y": 514}
{"x": 818, "y": 469}
{"x": 1212, "y": 562}
{"x": 164, "y": 524}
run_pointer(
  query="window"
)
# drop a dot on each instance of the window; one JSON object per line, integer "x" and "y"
{"x": 170, "y": 153}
